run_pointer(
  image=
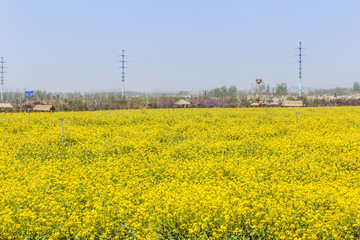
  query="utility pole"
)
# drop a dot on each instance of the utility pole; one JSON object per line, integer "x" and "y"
{"x": 2, "y": 78}
{"x": 123, "y": 73}
{"x": 62, "y": 129}
{"x": 300, "y": 69}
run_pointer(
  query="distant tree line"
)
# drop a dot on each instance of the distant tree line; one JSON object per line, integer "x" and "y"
{"x": 217, "y": 97}
{"x": 221, "y": 92}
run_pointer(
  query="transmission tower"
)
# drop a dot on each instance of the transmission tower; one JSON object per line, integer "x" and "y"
{"x": 123, "y": 73}
{"x": 2, "y": 78}
{"x": 300, "y": 69}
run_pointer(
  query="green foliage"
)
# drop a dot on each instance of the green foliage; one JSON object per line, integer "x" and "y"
{"x": 232, "y": 91}
{"x": 331, "y": 91}
{"x": 222, "y": 92}
{"x": 356, "y": 87}
{"x": 303, "y": 98}
{"x": 260, "y": 88}
{"x": 281, "y": 88}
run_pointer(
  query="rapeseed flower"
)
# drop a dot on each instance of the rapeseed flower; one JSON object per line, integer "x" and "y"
{"x": 190, "y": 174}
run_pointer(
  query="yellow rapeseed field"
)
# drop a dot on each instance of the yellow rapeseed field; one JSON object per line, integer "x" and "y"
{"x": 181, "y": 174}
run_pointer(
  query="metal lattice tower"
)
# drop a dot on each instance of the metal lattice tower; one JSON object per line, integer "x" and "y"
{"x": 123, "y": 73}
{"x": 2, "y": 78}
{"x": 300, "y": 69}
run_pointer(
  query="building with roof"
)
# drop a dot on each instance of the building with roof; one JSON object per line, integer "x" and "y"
{"x": 5, "y": 107}
{"x": 44, "y": 108}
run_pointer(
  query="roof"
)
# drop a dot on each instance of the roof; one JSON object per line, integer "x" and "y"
{"x": 274, "y": 104}
{"x": 44, "y": 108}
{"x": 254, "y": 104}
{"x": 292, "y": 104}
{"x": 182, "y": 102}
{"x": 5, "y": 105}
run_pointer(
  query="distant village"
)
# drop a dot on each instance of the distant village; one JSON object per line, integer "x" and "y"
{"x": 222, "y": 97}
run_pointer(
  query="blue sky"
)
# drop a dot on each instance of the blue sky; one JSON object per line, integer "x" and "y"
{"x": 63, "y": 45}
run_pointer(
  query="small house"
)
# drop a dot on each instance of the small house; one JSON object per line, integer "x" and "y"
{"x": 292, "y": 104}
{"x": 44, "y": 108}
{"x": 274, "y": 104}
{"x": 5, "y": 107}
{"x": 182, "y": 103}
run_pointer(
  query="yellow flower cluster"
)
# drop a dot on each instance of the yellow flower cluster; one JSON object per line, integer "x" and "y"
{"x": 181, "y": 174}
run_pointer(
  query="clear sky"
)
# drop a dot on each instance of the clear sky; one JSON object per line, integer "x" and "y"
{"x": 74, "y": 45}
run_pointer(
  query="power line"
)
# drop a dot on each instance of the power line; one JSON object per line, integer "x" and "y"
{"x": 300, "y": 69}
{"x": 2, "y": 78}
{"x": 123, "y": 73}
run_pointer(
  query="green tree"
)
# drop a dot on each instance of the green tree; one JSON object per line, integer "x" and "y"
{"x": 232, "y": 91}
{"x": 223, "y": 91}
{"x": 219, "y": 92}
{"x": 259, "y": 88}
{"x": 281, "y": 88}
{"x": 356, "y": 87}
{"x": 267, "y": 90}
{"x": 216, "y": 92}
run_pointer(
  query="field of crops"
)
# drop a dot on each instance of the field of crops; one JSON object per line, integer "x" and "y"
{"x": 181, "y": 174}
